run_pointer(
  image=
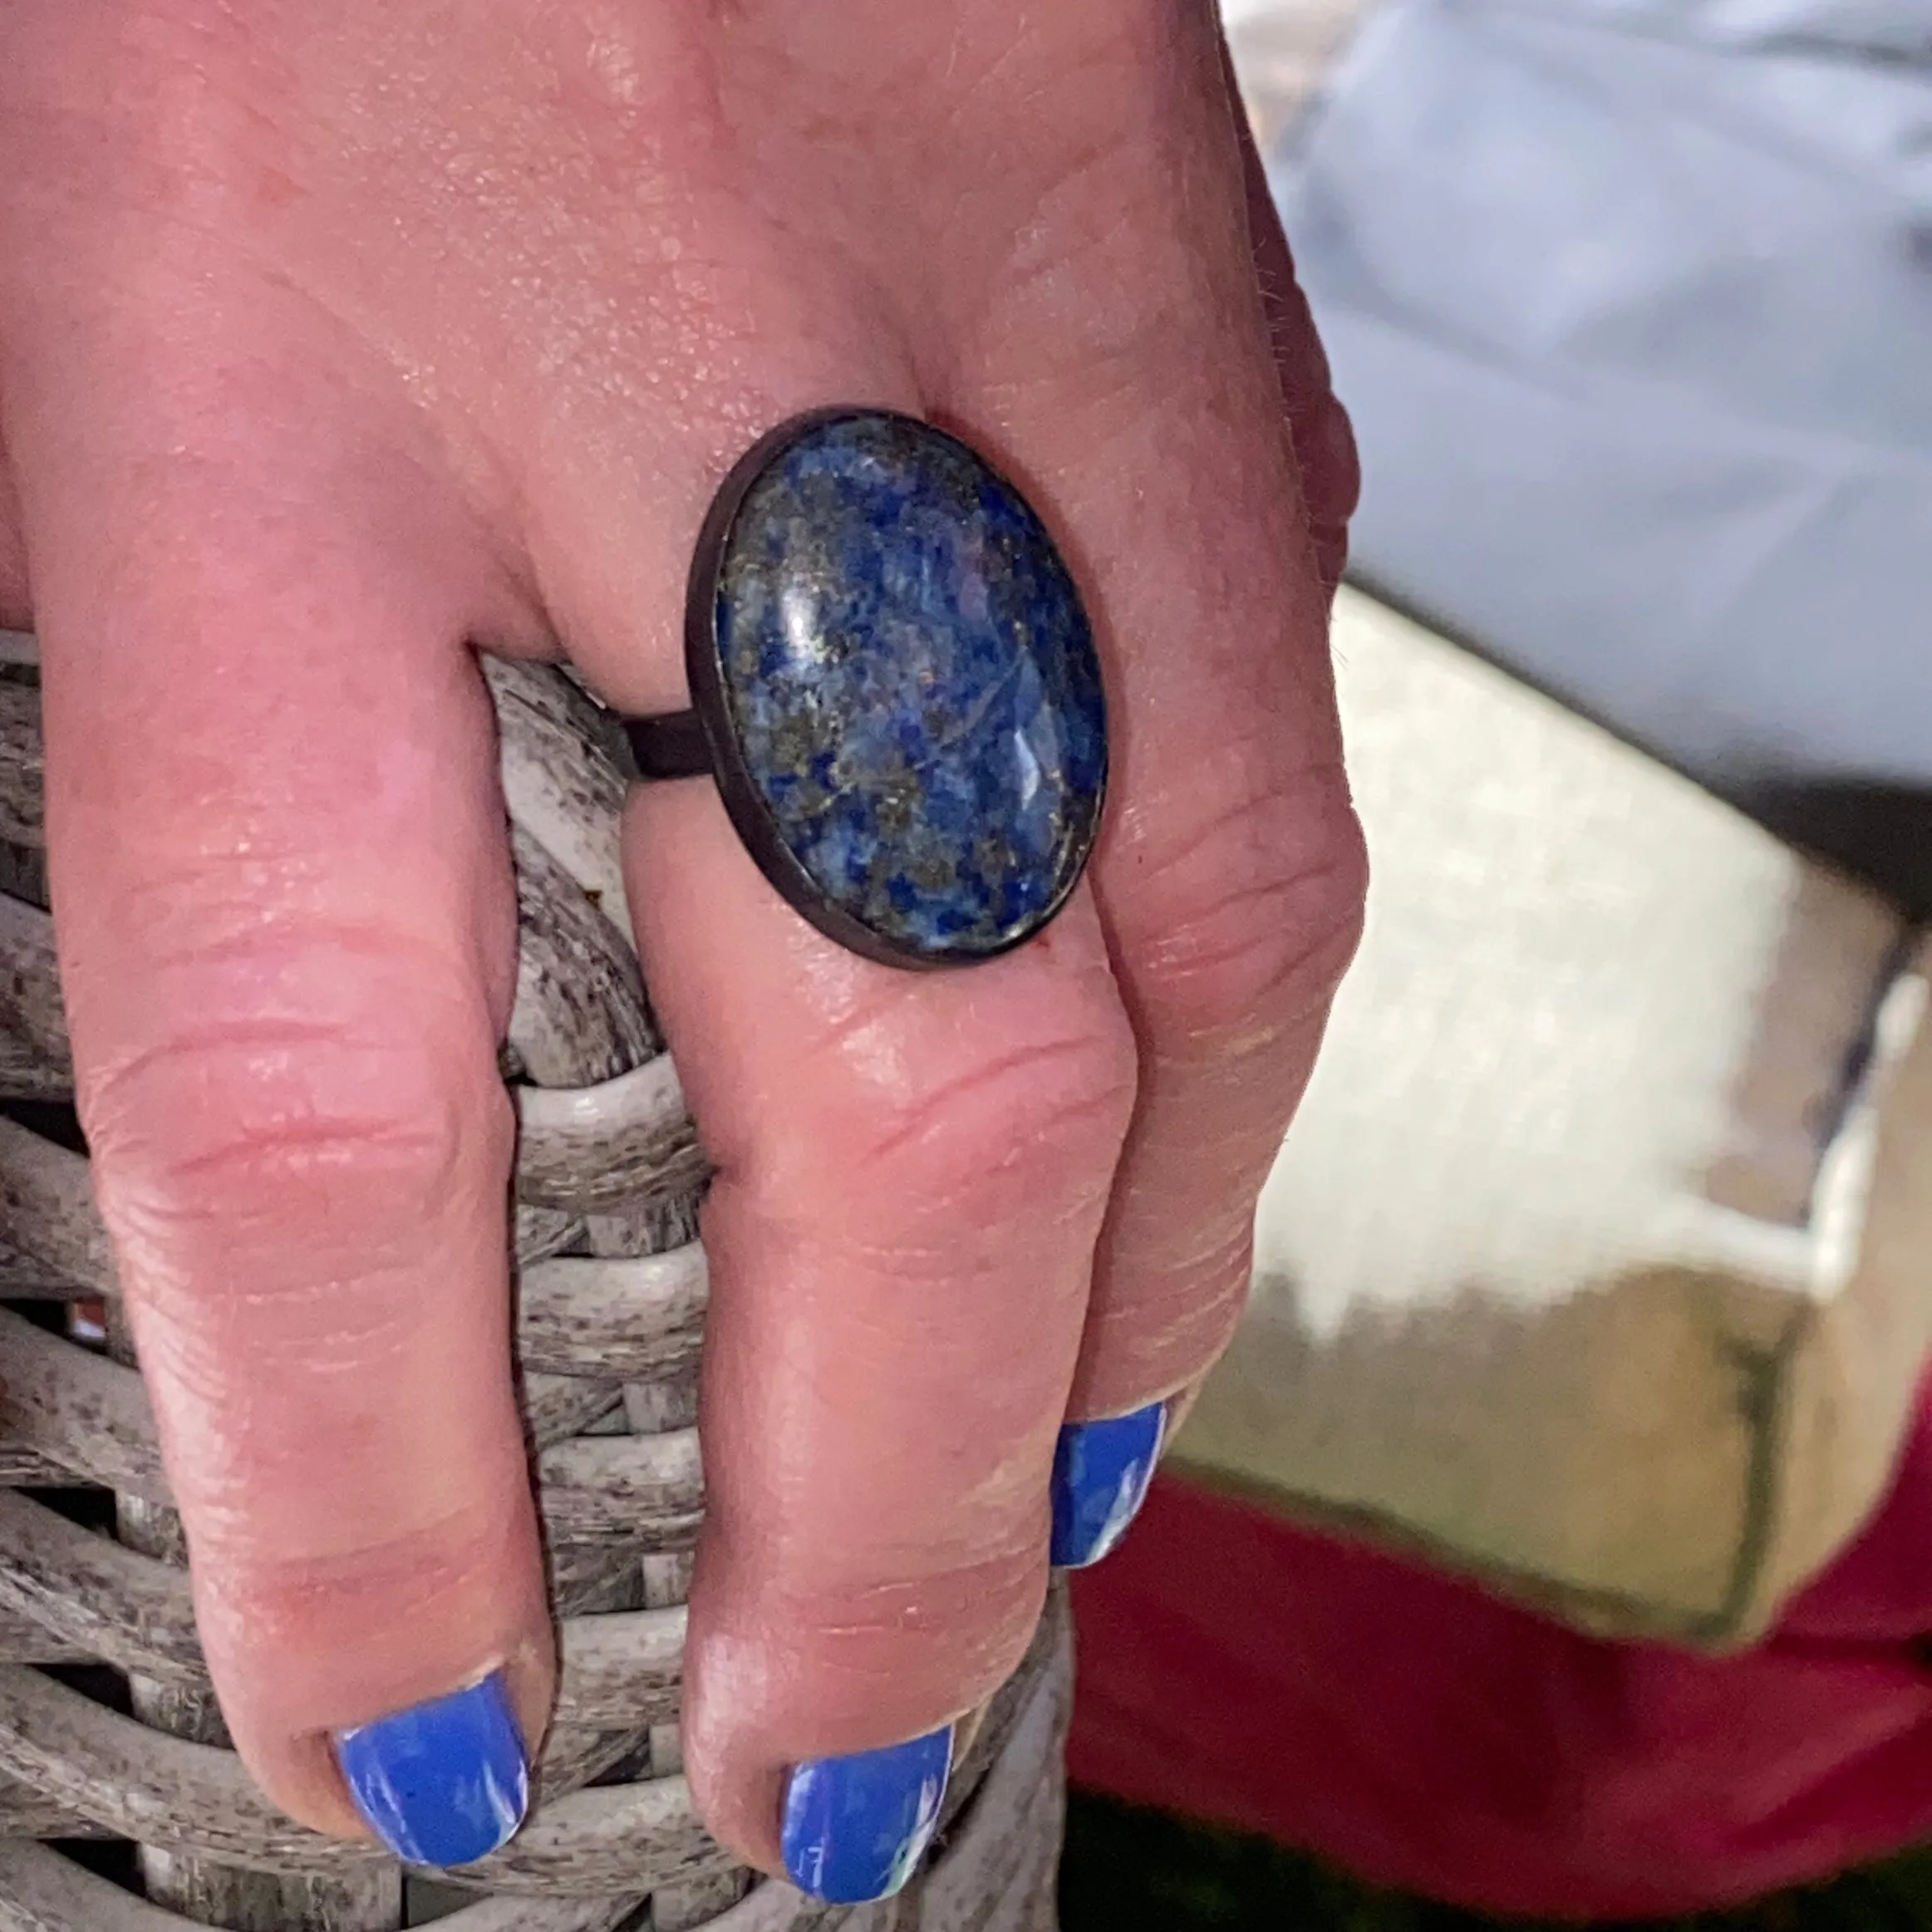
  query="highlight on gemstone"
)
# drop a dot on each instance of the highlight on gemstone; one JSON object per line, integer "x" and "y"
{"x": 905, "y": 682}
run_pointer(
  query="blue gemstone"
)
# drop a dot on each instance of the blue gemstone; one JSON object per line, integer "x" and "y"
{"x": 904, "y": 667}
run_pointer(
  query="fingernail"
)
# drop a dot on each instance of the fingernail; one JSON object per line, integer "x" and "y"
{"x": 855, "y": 1827}
{"x": 445, "y": 1782}
{"x": 1100, "y": 1474}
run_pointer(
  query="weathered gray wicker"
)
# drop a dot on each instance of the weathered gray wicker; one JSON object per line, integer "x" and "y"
{"x": 109, "y": 1739}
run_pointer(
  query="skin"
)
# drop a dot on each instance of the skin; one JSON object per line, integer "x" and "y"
{"x": 336, "y": 341}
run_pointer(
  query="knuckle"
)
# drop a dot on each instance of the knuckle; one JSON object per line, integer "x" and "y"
{"x": 968, "y": 1627}
{"x": 385, "y": 1577}
{"x": 993, "y": 1123}
{"x": 1258, "y": 904}
{"x": 1134, "y": 1352}
{"x": 406, "y": 1600}
{"x": 1331, "y": 465}
{"x": 319, "y": 1138}
{"x": 881, "y": 1657}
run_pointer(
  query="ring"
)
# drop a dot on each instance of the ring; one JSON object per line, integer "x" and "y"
{"x": 895, "y": 686}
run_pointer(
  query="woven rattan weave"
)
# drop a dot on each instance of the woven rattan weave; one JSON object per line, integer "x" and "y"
{"x": 110, "y": 1743}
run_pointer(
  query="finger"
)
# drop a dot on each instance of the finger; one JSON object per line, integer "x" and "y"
{"x": 912, "y": 1170}
{"x": 1231, "y": 874}
{"x": 287, "y": 937}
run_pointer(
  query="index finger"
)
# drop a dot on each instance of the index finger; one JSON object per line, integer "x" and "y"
{"x": 286, "y": 931}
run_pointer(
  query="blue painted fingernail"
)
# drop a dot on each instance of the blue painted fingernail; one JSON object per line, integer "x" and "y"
{"x": 445, "y": 1782}
{"x": 1100, "y": 1474}
{"x": 855, "y": 1827}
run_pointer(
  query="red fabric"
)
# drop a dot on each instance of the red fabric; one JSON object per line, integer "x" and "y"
{"x": 1432, "y": 1739}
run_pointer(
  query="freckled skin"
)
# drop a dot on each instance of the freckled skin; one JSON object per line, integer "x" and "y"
{"x": 913, "y": 684}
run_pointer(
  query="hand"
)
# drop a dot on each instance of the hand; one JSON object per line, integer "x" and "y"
{"x": 335, "y": 340}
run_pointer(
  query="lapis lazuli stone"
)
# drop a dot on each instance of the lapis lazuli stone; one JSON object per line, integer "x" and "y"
{"x": 913, "y": 688}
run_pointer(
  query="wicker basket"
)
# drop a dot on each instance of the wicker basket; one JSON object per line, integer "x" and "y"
{"x": 111, "y": 1742}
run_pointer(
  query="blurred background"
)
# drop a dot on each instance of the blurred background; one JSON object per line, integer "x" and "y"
{"x": 1548, "y": 1548}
